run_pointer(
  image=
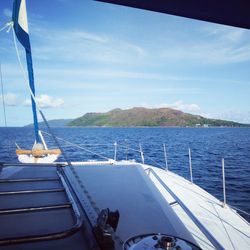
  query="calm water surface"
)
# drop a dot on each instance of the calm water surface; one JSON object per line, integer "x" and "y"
{"x": 208, "y": 147}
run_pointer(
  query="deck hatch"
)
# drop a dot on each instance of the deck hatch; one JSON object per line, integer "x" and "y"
{"x": 35, "y": 207}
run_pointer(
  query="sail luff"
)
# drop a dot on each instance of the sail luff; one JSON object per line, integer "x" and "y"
{"x": 32, "y": 87}
{"x": 21, "y": 30}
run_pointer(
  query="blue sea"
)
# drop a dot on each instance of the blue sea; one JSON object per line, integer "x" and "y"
{"x": 208, "y": 146}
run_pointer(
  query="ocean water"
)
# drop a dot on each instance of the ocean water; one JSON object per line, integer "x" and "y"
{"x": 208, "y": 146}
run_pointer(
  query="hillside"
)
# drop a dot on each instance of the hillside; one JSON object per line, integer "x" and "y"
{"x": 54, "y": 123}
{"x": 144, "y": 117}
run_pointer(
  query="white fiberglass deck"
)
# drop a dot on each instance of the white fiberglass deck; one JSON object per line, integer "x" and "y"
{"x": 135, "y": 189}
{"x": 127, "y": 188}
{"x": 132, "y": 188}
{"x": 150, "y": 200}
{"x": 224, "y": 224}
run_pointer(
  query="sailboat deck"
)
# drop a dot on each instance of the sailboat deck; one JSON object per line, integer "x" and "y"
{"x": 128, "y": 189}
{"x": 201, "y": 212}
{"x": 34, "y": 201}
{"x": 36, "y": 212}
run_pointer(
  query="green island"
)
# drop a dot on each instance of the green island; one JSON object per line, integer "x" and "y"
{"x": 145, "y": 117}
{"x": 142, "y": 117}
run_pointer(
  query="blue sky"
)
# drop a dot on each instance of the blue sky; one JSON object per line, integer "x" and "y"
{"x": 93, "y": 57}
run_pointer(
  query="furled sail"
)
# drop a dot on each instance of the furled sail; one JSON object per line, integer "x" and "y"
{"x": 20, "y": 21}
{"x": 39, "y": 152}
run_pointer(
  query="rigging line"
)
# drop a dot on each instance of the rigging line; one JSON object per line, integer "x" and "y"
{"x": 69, "y": 146}
{"x": 150, "y": 158}
{"x": 4, "y": 109}
{"x": 132, "y": 149}
{"x": 83, "y": 145}
{"x": 55, "y": 139}
{"x": 34, "y": 98}
{"x": 22, "y": 68}
{"x": 5, "y": 26}
{"x": 240, "y": 210}
{"x": 77, "y": 146}
{"x": 226, "y": 222}
{"x": 3, "y": 101}
{"x": 138, "y": 151}
{"x": 95, "y": 145}
{"x": 232, "y": 244}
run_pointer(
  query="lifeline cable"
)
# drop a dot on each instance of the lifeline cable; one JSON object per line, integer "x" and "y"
{"x": 78, "y": 146}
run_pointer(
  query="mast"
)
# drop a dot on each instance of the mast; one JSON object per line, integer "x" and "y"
{"x": 20, "y": 21}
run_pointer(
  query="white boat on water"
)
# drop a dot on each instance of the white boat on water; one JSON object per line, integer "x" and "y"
{"x": 107, "y": 204}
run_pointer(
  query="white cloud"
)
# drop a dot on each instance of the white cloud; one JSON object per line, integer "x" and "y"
{"x": 219, "y": 45}
{"x": 89, "y": 36}
{"x": 10, "y": 99}
{"x": 225, "y": 33}
{"x": 82, "y": 45}
{"x": 180, "y": 105}
{"x": 45, "y": 101}
{"x": 7, "y": 12}
{"x": 110, "y": 73}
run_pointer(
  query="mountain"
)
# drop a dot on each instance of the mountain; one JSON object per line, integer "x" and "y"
{"x": 144, "y": 117}
{"x": 54, "y": 123}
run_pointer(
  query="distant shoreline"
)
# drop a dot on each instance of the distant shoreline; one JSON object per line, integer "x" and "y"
{"x": 146, "y": 127}
{"x": 140, "y": 117}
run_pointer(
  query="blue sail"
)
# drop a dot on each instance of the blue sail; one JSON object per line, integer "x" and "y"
{"x": 21, "y": 29}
